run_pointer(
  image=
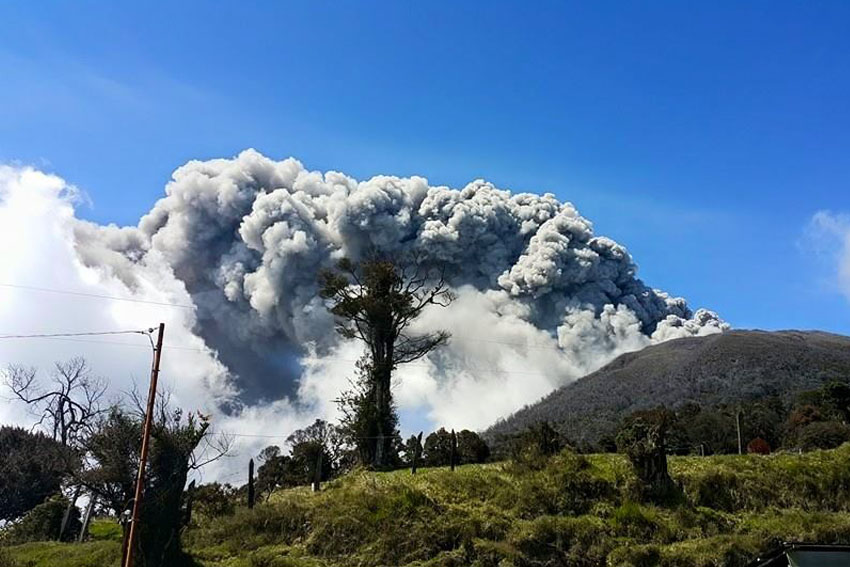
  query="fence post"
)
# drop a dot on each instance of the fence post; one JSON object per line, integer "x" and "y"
{"x": 317, "y": 473}
{"x": 71, "y": 505}
{"x": 416, "y": 451}
{"x": 87, "y": 518}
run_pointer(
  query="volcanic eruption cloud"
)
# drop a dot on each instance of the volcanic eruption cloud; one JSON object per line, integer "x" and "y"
{"x": 541, "y": 300}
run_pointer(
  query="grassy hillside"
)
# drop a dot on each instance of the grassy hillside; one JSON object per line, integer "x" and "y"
{"x": 717, "y": 369}
{"x": 570, "y": 510}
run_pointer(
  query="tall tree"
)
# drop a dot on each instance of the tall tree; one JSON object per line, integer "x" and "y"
{"x": 375, "y": 301}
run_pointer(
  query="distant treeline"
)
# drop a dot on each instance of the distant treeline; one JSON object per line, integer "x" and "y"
{"x": 815, "y": 419}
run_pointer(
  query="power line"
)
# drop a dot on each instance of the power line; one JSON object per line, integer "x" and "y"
{"x": 82, "y": 334}
{"x": 116, "y": 343}
{"x": 68, "y": 337}
{"x": 182, "y": 306}
{"x": 96, "y": 295}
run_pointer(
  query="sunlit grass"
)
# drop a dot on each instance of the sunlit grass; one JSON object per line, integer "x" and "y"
{"x": 571, "y": 510}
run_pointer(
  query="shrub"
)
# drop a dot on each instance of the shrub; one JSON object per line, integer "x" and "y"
{"x": 556, "y": 540}
{"x": 214, "y": 499}
{"x": 31, "y": 470}
{"x": 43, "y": 523}
{"x": 248, "y": 529}
{"x": 6, "y": 560}
{"x": 758, "y": 446}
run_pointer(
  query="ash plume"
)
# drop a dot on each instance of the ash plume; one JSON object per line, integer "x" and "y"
{"x": 541, "y": 299}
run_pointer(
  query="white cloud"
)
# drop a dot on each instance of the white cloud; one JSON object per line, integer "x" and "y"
{"x": 829, "y": 234}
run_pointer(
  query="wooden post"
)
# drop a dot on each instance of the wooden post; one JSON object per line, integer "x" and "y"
{"x": 87, "y": 518}
{"x": 453, "y": 461}
{"x": 317, "y": 472}
{"x": 143, "y": 457}
{"x": 416, "y": 451}
{"x": 250, "y": 484}
{"x": 740, "y": 438}
{"x": 67, "y": 516}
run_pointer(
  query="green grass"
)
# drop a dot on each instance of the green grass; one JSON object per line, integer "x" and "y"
{"x": 53, "y": 554}
{"x": 571, "y": 510}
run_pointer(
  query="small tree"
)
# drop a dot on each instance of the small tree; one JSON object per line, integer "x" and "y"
{"x": 642, "y": 438}
{"x": 276, "y": 471}
{"x": 438, "y": 448}
{"x": 471, "y": 447}
{"x": 375, "y": 301}
{"x": 320, "y": 438}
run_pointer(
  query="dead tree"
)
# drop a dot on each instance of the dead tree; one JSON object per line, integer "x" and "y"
{"x": 68, "y": 406}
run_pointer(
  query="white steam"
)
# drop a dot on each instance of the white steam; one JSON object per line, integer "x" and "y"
{"x": 541, "y": 299}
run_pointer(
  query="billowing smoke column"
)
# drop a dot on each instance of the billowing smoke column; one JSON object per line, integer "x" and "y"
{"x": 537, "y": 289}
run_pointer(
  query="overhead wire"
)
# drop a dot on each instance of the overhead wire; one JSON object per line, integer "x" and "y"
{"x": 72, "y": 336}
{"x": 96, "y": 295}
{"x": 183, "y": 306}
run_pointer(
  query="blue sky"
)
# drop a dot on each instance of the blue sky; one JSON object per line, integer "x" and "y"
{"x": 703, "y": 137}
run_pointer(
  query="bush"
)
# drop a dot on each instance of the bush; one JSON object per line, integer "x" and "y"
{"x": 758, "y": 446}
{"x": 248, "y": 529}
{"x": 6, "y": 560}
{"x": 557, "y": 540}
{"x": 43, "y": 523}
{"x": 31, "y": 470}
{"x": 214, "y": 499}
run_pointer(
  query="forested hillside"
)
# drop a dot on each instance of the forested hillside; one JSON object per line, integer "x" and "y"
{"x": 717, "y": 370}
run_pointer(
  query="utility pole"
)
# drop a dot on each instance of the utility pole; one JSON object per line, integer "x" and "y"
{"x": 143, "y": 457}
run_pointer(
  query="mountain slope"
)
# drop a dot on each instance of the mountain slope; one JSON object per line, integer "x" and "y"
{"x": 722, "y": 368}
